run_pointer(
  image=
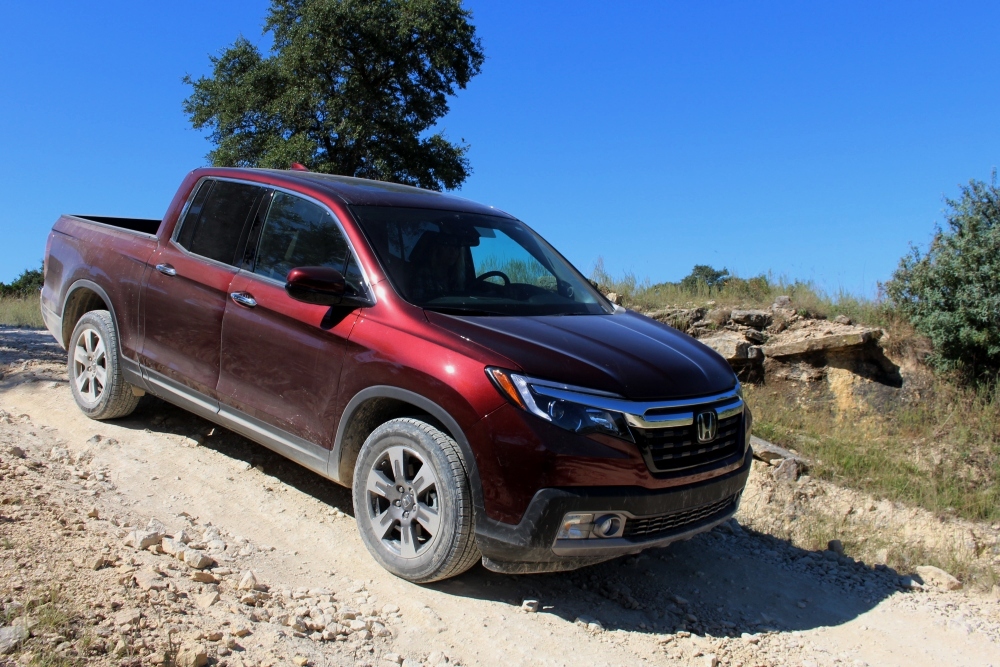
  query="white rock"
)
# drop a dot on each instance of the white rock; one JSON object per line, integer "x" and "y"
{"x": 935, "y": 576}
{"x": 248, "y": 581}
{"x": 530, "y": 606}
{"x": 197, "y": 559}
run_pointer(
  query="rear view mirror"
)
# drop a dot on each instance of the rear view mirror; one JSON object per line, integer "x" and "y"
{"x": 320, "y": 285}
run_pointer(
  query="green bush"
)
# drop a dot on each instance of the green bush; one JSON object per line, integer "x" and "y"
{"x": 28, "y": 283}
{"x": 952, "y": 293}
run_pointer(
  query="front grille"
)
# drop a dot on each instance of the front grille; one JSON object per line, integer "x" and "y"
{"x": 671, "y": 449}
{"x": 650, "y": 526}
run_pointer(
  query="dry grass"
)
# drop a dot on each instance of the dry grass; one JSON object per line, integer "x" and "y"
{"x": 757, "y": 292}
{"x": 941, "y": 452}
{"x": 21, "y": 312}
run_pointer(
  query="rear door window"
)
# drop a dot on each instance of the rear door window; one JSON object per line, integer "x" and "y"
{"x": 215, "y": 223}
{"x": 298, "y": 232}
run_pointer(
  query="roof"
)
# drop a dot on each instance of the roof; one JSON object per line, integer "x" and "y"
{"x": 364, "y": 192}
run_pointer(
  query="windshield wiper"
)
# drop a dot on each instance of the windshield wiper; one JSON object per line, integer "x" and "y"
{"x": 458, "y": 310}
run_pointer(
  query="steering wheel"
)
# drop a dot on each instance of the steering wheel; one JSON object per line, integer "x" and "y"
{"x": 495, "y": 274}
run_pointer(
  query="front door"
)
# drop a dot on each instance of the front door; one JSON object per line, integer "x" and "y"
{"x": 281, "y": 358}
{"x": 186, "y": 290}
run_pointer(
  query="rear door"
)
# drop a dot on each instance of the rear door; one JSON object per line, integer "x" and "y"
{"x": 186, "y": 290}
{"x": 281, "y": 358}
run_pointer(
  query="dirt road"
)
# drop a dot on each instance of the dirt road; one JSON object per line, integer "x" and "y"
{"x": 732, "y": 597}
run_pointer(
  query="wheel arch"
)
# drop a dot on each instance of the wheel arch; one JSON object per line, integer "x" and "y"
{"x": 82, "y": 297}
{"x": 371, "y": 407}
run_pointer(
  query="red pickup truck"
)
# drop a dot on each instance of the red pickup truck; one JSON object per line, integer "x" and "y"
{"x": 481, "y": 398}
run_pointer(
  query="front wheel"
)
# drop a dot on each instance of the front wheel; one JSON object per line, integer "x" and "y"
{"x": 94, "y": 372}
{"x": 412, "y": 502}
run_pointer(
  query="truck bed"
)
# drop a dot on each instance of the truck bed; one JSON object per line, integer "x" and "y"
{"x": 141, "y": 225}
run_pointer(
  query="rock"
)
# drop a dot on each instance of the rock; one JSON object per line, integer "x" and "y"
{"x": 393, "y": 657}
{"x": 773, "y": 454}
{"x": 127, "y": 617}
{"x": 11, "y": 637}
{"x": 96, "y": 563}
{"x": 758, "y": 319}
{"x": 17, "y": 452}
{"x": 436, "y": 658}
{"x": 530, "y": 606}
{"x": 754, "y": 336}
{"x": 93, "y": 514}
{"x": 204, "y": 577}
{"x": 241, "y": 631}
{"x": 197, "y": 559}
{"x": 390, "y": 609}
{"x": 156, "y": 526}
{"x": 191, "y": 655}
{"x": 614, "y": 297}
{"x": 148, "y": 580}
{"x": 143, "y": 539}
{"x": 799, "y": 343}
{"x": 787, "y": 471}
{"x": 935, "y": 576}
{"x": 248, "y": 581}
{"x": 709, "y": 660}
{"x": 730, "y": 345}
{"x": 836, "y": 546}
{"x": 843, "y": 319}
{"x": 300, "y": 660}
{"x": 782, "y": 302}
{"x": 679, "y": 318}
{"x": 206, "y": 600}
{"x": 172, "y": 546}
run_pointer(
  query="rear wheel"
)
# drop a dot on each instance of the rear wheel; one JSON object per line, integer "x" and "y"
{"x": 94, "y": 373}
{"x": 413, "y": 503}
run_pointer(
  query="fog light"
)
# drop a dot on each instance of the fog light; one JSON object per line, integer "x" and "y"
{"x": 608, "y": 525}
{"x": 576, "y": 527}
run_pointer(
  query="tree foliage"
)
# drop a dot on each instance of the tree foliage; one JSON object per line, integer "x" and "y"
{"x": 29, "y": 282}
{"x": 704, "y": 275}
{"x": 952, "y": 293}
{"x": 351, "y": 87}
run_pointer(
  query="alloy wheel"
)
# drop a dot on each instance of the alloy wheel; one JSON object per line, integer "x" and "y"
{"x": 90, "y": 365}
{"x": 403, "y": 501}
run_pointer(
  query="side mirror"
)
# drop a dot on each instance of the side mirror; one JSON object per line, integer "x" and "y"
{"x": 320, "y": 285}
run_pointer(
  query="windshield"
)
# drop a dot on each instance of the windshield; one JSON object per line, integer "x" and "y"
{"x": 472, "y": 264}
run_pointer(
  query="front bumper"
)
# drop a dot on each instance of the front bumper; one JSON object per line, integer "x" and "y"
{"x": 531, "y": 545}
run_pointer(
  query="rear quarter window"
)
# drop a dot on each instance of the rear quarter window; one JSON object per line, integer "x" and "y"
{"x": 216, "y": 219}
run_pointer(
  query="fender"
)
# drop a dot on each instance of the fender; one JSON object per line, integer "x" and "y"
{"x": 431, "y": 408}
{"x": 131, "y": 370}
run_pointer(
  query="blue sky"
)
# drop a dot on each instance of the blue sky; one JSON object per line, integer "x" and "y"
{"x": 814, "y": 140}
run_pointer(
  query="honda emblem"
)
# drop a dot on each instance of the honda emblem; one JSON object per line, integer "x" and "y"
{"x": 707, "y": 424}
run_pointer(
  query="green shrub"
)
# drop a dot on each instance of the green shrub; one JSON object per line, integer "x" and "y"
{"x": 951, "y": 294}
{"x": 28, "y": 283}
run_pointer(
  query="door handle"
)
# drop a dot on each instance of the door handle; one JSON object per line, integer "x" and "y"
{"x": 166, "y": 269}
{"x": 244, "y": 299}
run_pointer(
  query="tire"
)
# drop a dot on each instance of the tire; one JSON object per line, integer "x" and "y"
{"x": 95, "y": 375}
{"x": 399, "y": 529}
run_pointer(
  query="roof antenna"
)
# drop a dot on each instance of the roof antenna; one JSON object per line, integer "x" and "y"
{"x": 298, "y": 167}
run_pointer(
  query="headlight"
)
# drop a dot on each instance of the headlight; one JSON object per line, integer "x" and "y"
{"x": 570, "y": 415}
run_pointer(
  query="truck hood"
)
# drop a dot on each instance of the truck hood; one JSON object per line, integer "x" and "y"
{"x": 625, "y": 353}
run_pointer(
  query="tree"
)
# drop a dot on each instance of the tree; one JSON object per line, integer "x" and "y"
{"x": 351, "y": 87}
{"x": 29, "y": 282}
{"x": 703, "y": 274}
{"x": 952, "y": 293}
